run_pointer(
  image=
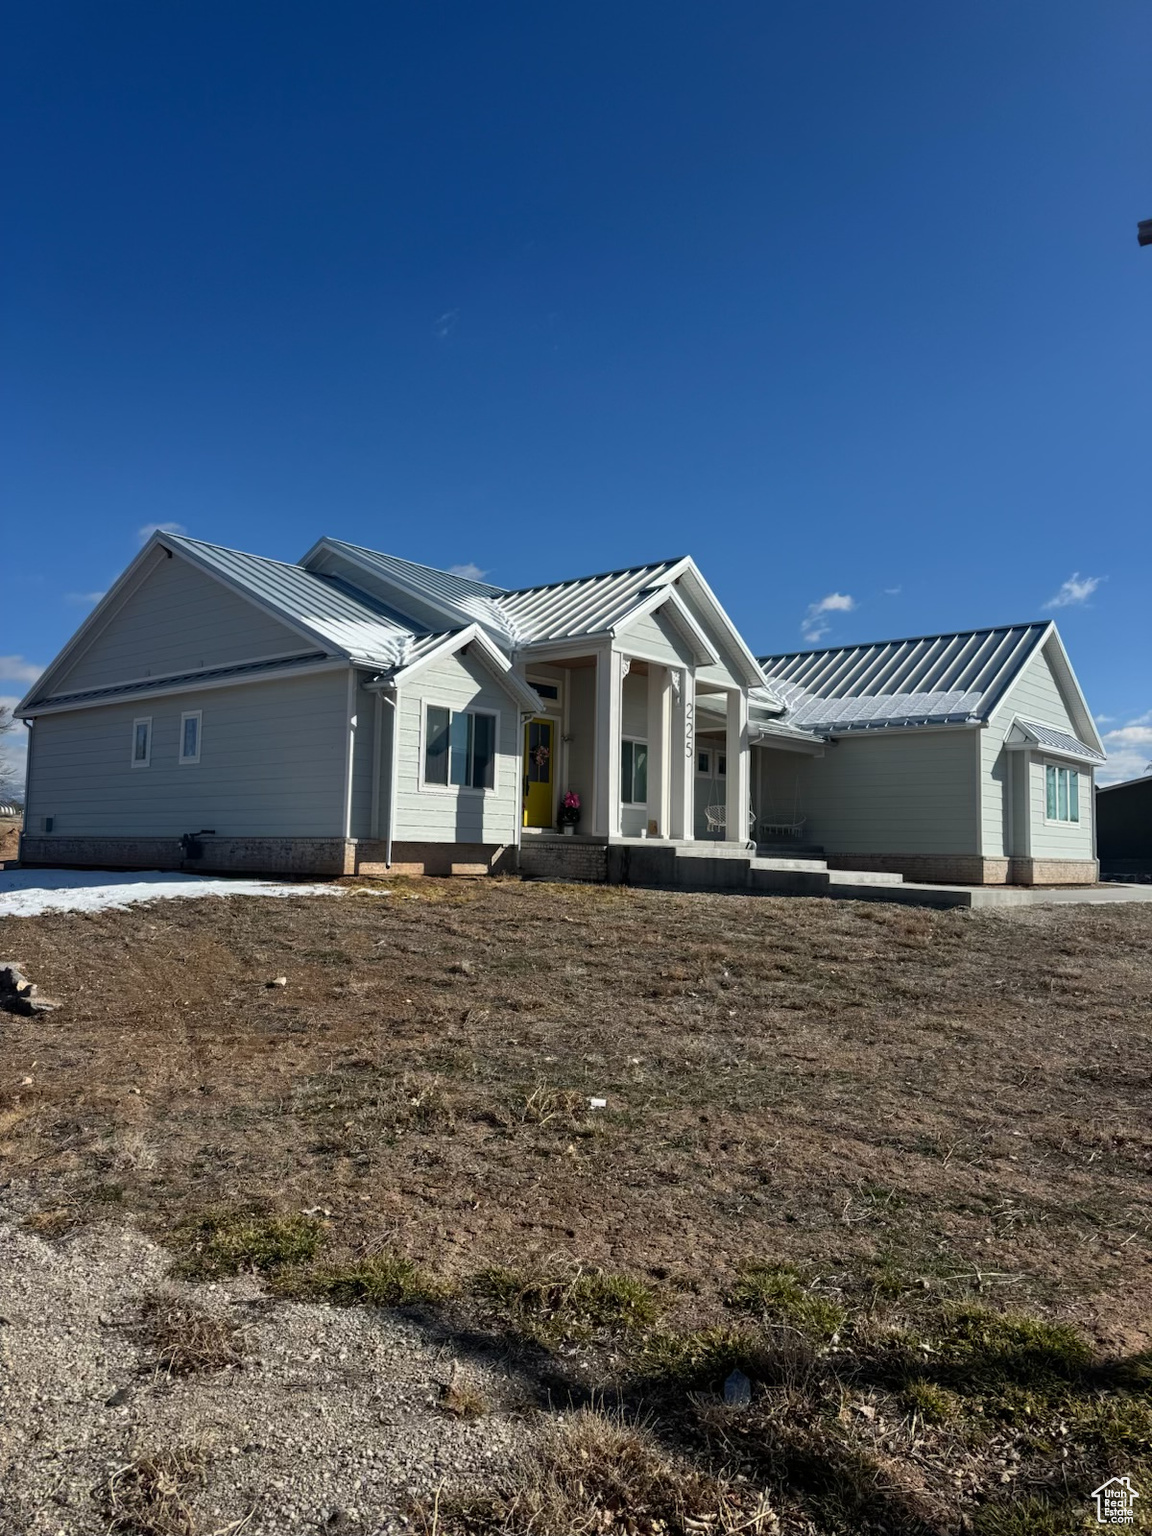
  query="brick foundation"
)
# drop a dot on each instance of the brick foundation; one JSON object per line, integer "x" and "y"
{"x": 1054, "y": 872}
{"x": 564, "y": 858}
{"x": 971, "y": 869}
{"x": 324, "y": 856}
{"x": 435, "y": 859}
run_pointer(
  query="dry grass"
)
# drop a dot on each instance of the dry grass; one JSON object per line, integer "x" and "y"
{"x": 182, "y": 1338}
{"x": 892, "y": 1165}
{"x": 950, "y": 1098}
{"x": 148, "y": 1497}
{"x": 594, "y": 1472}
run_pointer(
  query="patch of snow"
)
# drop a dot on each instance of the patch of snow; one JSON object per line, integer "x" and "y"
{"x": 32, "y": 892}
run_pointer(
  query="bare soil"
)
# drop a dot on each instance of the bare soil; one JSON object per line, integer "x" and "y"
{"x": 9, "y": 840}
{"x": 810, "y": 1082}
{"x": 892, "y": 1103}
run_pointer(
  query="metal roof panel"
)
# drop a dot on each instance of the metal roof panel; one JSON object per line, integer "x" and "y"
{"x": 928, "y": 679}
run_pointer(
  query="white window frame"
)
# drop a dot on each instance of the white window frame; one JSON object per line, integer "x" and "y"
{"x": 456, "y": 789}
{"x": 714, "y": 754}
{"x": 637, "y": 741}
{"x": 1058, "y": 820}
{"x": 198, "y": 716}
{"x": 146, "y": 760}
{"x": 553, "y": 700}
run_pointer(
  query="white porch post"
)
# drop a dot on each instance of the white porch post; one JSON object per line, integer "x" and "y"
{"x": 606, "y": 822}
{"x": 659, "y": 691}
{"x": 683, "y": 764}
{"x": 736, "y": 828}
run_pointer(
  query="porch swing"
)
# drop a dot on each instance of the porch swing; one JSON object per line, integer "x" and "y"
{"x": 783, "y": 824}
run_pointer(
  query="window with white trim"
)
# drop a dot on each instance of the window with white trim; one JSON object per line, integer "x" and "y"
{"x": 459, "y": 748}
{"x": 634, "y": 771}
{"x": 1061, "y": 794}
{"x": 190, "y": 736}
{"x": 142, "y": 742}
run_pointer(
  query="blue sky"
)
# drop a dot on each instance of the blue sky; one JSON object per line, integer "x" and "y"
{"x": 844, "y": 299}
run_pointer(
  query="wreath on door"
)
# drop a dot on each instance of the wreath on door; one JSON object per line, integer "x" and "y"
{"x": 541, "y": 755}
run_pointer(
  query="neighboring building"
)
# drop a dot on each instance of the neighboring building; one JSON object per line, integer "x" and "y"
{"x": 358, "y": 712}
{"x": 1124, "y": 828}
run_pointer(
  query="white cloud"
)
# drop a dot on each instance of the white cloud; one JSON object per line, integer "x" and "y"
{"x": 469, "y": 571}
{"x": 893, "y": 591}
{"x": 1129, "y": 749}
{"x": 83, "y": 599}
{"x": 1077, "y": 589}
{"x": 17, "y": 669}
{"x": 815, "y": 624}
{"x": 445, "y": 324}
{"x": 145, "y": 533}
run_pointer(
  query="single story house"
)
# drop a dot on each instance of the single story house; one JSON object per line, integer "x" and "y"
{"x": 360, "y": 712}
{"x": 1124, "y": 828}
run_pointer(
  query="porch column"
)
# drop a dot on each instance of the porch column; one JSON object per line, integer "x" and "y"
{"x": 683, "y": 755}
{"x": 606, "y": 821}
{"x": 659, "y": 720}
{"x": 736, "y": 827}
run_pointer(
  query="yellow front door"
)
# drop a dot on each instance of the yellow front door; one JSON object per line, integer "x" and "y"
{"x": 539, "y": 756}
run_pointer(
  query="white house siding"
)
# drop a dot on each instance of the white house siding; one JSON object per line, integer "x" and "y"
{"x": 1059, "y": 840}
{"x": 271, "y": 764}
{"x": 911, "y": 792}
{"x": 456, "y": 815}
{"x": 725, "y": 673}
{"x": 364, "y": 762}
{"x": 654, "y": 637}
{"x": 996, "y": 829}
{"x": 1036, "y": 695}
{"x": 179, "y": 620}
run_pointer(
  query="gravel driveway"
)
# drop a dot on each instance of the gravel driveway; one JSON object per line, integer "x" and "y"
{"x": 333, "y": 1422}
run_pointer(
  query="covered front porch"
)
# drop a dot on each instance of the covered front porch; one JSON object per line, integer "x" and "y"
{"x": 653, "y": 748}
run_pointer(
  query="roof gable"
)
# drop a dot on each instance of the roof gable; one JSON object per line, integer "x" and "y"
{"x": 290, "y": 612}
{"x": 948, "y": 679}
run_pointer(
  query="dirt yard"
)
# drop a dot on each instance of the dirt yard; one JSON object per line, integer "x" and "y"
{"x": 9, "y": 839}
{"x": 823, "y": 1122}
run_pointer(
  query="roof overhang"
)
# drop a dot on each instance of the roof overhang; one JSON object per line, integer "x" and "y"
{"x": 1030, "y": 735}
{"x": 668, "y": 601}
{"x": 688, "y": 575}
{"x": 158, "y": 548}
{"x": 475, "y": 639}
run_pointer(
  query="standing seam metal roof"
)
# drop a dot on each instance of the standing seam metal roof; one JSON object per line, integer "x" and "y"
{"x": 931, "y": 679}
{"x": 555, "y": 610}
{"x": 353, "y": 622}
{"x": 587, "y": 606}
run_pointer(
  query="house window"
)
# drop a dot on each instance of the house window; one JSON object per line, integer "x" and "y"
{"x": 190, "y": 736}
{"x": 1061, "y": 794}
{"x": 459, "y": 748}
{"x": 545, "y": 690}
{"x": 634, "y": 772}
{"x": 142, "y": 743}
{"x": 711, "y": 764}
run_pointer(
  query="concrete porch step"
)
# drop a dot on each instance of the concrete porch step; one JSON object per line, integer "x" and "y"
{"x": 792, "y": 862}
{"x": 837, "y": 877}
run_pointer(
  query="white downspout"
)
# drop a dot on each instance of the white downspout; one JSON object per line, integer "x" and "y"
{"x": 350, "y": 753}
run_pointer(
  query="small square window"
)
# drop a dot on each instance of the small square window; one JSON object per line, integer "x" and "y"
{"x": 459, "y": 748}
{"x": 142, "y": 743}
{"x": 190, "y": 736}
